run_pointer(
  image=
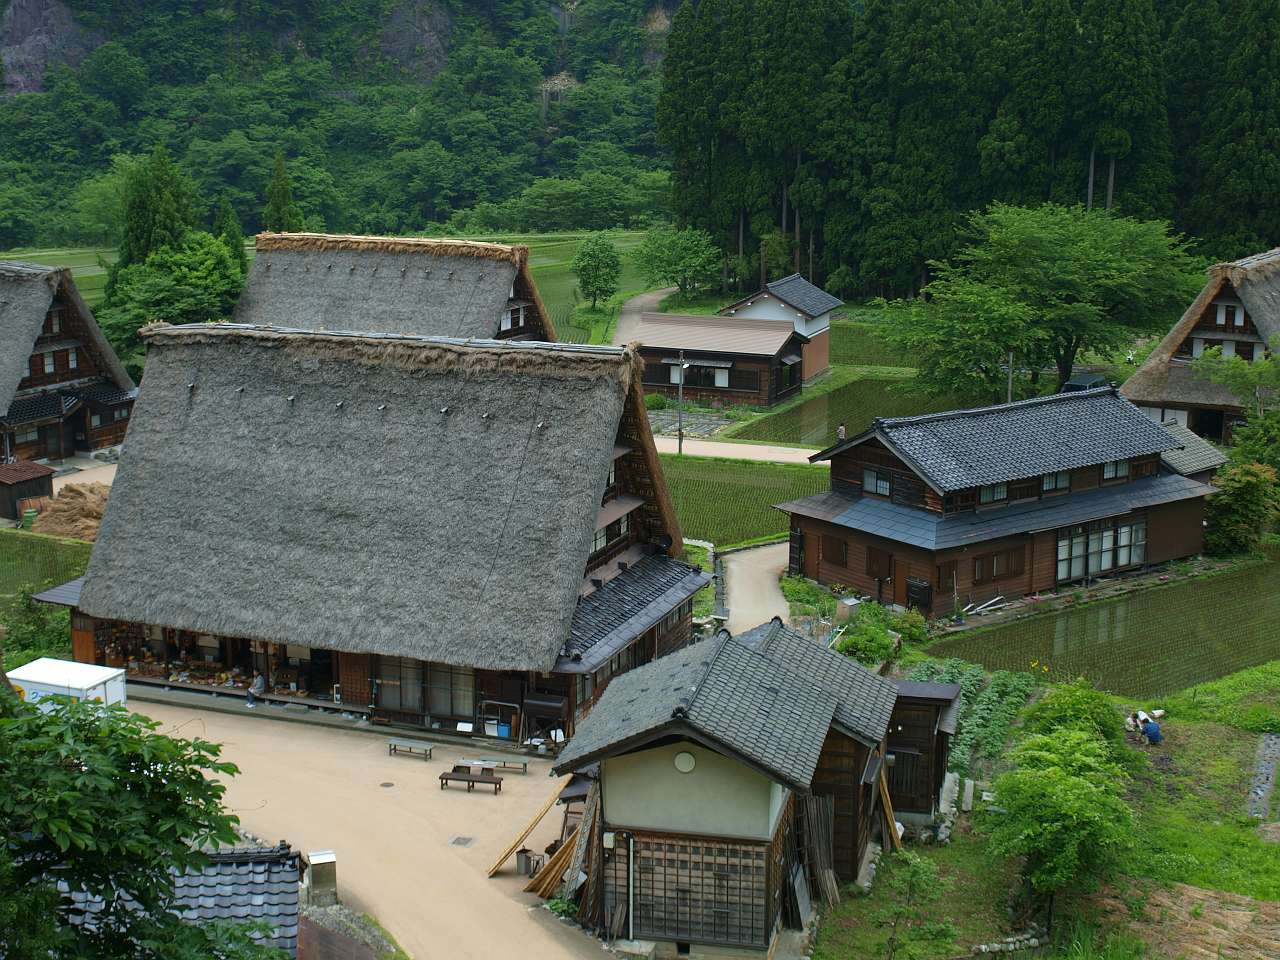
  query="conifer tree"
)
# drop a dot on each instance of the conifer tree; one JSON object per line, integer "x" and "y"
{"x": 226, "y": 227}
{"x": 1239, "y": 150}
{"x": 159, "y": 208}
{"x": 281, "y": 214}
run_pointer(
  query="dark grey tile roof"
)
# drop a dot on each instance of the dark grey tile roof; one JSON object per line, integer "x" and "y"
{"x": 864, "y": 700}
{"x": 610, "y": 617}
{"x": 40, "y": 406}
{"x": 63, "y": 595}
{"x": 969, "y": 448}
{"x": 107, "y": 394}
{"x": 718, "y": 691}
{"x": 933, "y": 531}
{"x": 1194, "y": 456}
{"x": 803, "y": 295}
{"x": 254, "y": 884}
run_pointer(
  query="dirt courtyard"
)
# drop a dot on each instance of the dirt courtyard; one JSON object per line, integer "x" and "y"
{"x": 320, "y": 788}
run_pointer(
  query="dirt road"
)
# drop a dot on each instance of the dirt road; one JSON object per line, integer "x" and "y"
{"x": 392, "y": 826}
{"x": 629, "y": 315}
{"x": 751, "y": 586}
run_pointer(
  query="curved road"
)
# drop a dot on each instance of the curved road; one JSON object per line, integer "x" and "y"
{"x": 629, "y": 315}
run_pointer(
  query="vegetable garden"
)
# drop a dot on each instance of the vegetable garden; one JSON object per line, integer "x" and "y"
{"x": 1146, "y": 644}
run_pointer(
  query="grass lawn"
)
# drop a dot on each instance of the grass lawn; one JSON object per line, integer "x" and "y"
{"x": 863, "y": 343}
{"x": 31, "y": 559}
{"x": 704, "y": 601}
{"x": 702, "y": 303}
{"x": 730, "y": 502}
{"x": 1189, "y": 807}
{"x": 974, "y": 904}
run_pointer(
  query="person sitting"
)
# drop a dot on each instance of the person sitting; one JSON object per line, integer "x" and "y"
{"x": 256, "y": 689}
{"x": 1151, "y": 731}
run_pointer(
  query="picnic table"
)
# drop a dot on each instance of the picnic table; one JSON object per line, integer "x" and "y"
{"x": 506, "y": 763}
{"x": 397, "y": 744}
{"x": 462, "y": 773}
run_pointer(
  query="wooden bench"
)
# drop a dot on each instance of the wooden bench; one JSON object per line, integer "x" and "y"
{"x": 396, "y": 745}
{"x": 464, "y": 774}
{"x": 506, "y": 763}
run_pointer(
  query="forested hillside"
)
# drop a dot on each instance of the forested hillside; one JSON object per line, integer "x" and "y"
{"x": 865, "y": 133}
{"x": 393, "y": 114}
{"x": 855, "y": 135}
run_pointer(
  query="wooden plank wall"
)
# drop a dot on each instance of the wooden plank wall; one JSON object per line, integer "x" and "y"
{"x": 838, "y": 775}
{"x": 354, "y": 674}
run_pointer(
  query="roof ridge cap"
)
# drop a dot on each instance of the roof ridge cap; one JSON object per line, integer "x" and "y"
{"x": 991, "y": 408}
{"x": 689, "y": 697}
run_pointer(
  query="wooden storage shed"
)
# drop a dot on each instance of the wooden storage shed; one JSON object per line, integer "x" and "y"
{"x": 20, "y": 481}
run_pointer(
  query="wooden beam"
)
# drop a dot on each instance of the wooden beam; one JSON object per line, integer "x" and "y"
{"x": 537, "y": 819}
{"x": 890, "y": 817}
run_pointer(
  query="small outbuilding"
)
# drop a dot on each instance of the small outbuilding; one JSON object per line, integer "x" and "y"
{"x": 707, "y": 758}
{"x": 23, "y": 483}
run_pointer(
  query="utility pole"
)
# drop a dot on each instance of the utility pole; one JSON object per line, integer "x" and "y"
{"x": 1009, "y": 395}
{"x": 680, "y": 407}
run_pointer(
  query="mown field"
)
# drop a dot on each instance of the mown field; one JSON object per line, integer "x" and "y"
{"x": 549, "y": 256}
{"x": 1149, "y": 644}
{"x": 29, "y": 559}
{"x": 730, "y": 502}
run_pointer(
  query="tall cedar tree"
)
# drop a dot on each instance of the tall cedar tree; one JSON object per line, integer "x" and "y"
{"x": 226, "y": 227}
{"x": 1239, "y": 150}
{"x": 281, "y": 214}
{"x": 159, "y": 210}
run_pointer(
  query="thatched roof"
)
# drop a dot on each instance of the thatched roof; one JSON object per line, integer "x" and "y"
{"x": 26, "y": 293}
{"x": 406, "y": 285}
{"x": 409, "y": 496}
{"x": 1164, "y": 379}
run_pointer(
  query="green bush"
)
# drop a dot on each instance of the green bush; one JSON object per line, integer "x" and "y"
{"x": 33, "y": 630}
{"x": 1245, "y": 507}
{"x": 655, "y": 401}
{"x": 868, "y": 641}
{"x": 911, "y": 625}
{"x": 1078, "y": 706}
{"x": 808, "y": 596}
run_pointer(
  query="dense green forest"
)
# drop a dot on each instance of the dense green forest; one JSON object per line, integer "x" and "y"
{"x": 393, "y": 115}
{"x": 865, "y": 135}
{"x": 855, "y": 135}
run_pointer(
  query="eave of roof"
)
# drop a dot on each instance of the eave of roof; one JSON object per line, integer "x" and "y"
{"x": 932, "y": 531}
{"x": 713, "y": 334}
{"x": 63, "y": 595}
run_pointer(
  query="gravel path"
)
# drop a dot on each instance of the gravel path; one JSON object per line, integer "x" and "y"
{"x": 1264, "y": 777}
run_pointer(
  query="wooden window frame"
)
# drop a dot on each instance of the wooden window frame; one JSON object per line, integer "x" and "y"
{"x": 984, "y": 500}
{"x": 1056, "y": 482}
{"x": 999, "y": 565}
{"x": 1118, "y": 475}
{"x": 880, "y": 478}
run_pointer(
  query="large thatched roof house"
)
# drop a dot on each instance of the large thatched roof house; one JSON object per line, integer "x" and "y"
{"x": 62, "y": 388}
{"x": 468, "y": 534}
{"x": 1239, "y": 311}
{"x": 409, "y": 285}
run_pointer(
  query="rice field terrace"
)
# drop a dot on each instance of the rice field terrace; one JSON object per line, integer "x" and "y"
{"x": 1152, "y": 643}
{"x": 813, "y": 421}
{"x": 32, "y": 560}
{"x": 730, "y": 502}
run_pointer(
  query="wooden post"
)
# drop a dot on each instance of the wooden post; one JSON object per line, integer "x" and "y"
{"x": 887, "y": 807}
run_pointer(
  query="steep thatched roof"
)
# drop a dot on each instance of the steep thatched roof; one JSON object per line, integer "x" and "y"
{"x": 410, "y": 496}
{"x": 1163, "y": 379}
{"x": 26, "y": 293}
{"x": 406, "y": 285}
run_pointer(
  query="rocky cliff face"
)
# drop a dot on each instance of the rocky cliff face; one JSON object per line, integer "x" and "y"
{"x": 417, "y": 34}
{"x": 36, "y": 35}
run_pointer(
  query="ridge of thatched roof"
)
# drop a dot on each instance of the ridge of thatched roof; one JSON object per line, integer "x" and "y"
{"x": 1161, "y": 378}
{"x": 26, "y": 292}
{"x": 407, "y": 496}
{"x": 407, "y": 285}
